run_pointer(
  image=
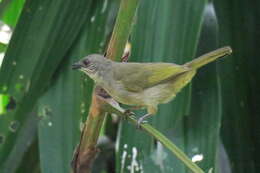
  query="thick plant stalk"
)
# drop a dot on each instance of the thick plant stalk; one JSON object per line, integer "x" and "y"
{"x": 87, "y": 150}
{"x": 122, "y": 29}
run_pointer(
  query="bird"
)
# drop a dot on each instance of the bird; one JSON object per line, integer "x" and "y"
{"x": 143, "y": 85}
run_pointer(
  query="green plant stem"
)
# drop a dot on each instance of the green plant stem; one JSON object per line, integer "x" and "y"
{"x": 111, "y": 107}
{"x": 86, "y": 151}
{"x": 122, "y": 29}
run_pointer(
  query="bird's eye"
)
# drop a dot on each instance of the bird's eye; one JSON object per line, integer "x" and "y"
{"x": 86, "y": 62}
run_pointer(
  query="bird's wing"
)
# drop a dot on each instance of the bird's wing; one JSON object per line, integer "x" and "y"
{"x": 138, "y": 76}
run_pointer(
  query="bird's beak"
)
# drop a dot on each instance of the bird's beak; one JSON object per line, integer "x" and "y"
{"x": 76, "y": 66}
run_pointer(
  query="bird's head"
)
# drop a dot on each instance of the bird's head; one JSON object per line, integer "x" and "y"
{"x": 93, "y": 65}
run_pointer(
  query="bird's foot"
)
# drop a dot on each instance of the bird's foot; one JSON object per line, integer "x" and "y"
{"x": 128, "y": 112}
{"x": 141, "y": 120}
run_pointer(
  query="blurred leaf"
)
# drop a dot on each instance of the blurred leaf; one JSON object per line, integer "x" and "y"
{"x": 238, "y": 21}
{"x": 27, "y": 135}
{"x": 4, "y": 100}
{"x": 59, "y": 110}
{"x": 30, "y": 161}
{"x": 62, "y": 105}
{"x": 10, "y": 11}
{"x": 172, "y": 31}
{"x": 45, "y": 32}
{"x": 254, "y": 81}
{"x": 202, "y": 126}
{"x": 2, "y": 49}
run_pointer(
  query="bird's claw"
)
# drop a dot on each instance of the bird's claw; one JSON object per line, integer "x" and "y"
{"x": 140, "y": 121}
{"x": 128, "y": 112}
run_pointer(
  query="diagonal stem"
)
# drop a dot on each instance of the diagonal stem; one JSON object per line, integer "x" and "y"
{"x": 114, "y": 108}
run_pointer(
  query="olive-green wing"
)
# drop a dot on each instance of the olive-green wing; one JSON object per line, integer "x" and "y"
{"x": 138, "y": 76}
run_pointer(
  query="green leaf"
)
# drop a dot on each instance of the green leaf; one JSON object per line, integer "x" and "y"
{"x": 170, "y": 34}
{"x": 202, "y": 126}
{"x": 240, "y": 78}
{"x": 27, "y": 135}
{"x": 30, "y": 161}
{"x": 2, "y": 50}
{"x": 45, "y": 32}
{"x": 64, "y": 104}
{"x": 59, "y": 111}
{"x": 4, "y": 100}
{"x": 10, "y": 12}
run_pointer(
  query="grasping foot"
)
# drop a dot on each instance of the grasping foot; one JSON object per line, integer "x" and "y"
{"x": 141, "y": 120}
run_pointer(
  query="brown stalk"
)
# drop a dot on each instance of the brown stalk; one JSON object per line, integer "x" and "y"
{"x": 87, "y": 150}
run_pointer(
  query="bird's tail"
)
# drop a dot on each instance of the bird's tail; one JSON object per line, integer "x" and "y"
{"x": 209, "y": 57}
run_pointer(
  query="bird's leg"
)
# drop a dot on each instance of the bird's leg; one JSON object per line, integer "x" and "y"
{"x": 141, "y": 120}
{"x": 128, "y": 113}
{"x": 131, "y": 109}
{"x": 151, "y": 111}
